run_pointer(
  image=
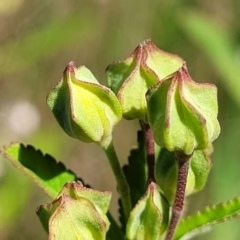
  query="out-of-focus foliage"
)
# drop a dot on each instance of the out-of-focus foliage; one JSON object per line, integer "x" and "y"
{"x": 219, "y": 49}
{"x": 47, "y": 40}
{"x": 38, "y": 39}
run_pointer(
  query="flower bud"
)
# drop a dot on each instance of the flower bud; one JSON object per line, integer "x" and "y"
{"x": 166, "y": 173}
{"x": 149, "y": 218}
{"x": 131, "y": 78}
{"x": 84, "y": 109}
{"x": 183, "y": 113}
{"x": 77, "y": 213}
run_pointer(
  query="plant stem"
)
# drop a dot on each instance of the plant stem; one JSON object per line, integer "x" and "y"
{"x": 123, "y": 187}
{"x": 150, "y": 147}
{"x": 183, "y": 162}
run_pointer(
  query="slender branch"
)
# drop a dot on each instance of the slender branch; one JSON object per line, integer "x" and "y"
{"x": 183, "y": 162}
{"x": 123, "y": 187}
{"x": 150, "y": 147}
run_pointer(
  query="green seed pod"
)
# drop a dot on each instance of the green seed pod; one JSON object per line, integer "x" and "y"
{"x": 85, "y": 109}
{"x": 77, "y": 213}
{"x": 149, "y": 218}
{"x": 166, "y": 171}
{"x": 183, "y": 113}
{"x": 131, "y": 78}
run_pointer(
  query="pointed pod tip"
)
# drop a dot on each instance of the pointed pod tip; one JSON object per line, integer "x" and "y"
{"x": 182, "y": 73}
{"x": 145, "y": 42}
{"x": 70, "y": 67}
{"x": 149, "y": 46}
{"x": 152, "y": 186}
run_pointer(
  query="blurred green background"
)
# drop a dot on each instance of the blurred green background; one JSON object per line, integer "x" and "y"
{"x": 39, "y": 38}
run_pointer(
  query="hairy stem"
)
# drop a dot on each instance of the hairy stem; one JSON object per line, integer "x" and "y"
{"x": 122, "y": 184}
{"x": 150, "y": 147}
{"x": 183, "y": 162}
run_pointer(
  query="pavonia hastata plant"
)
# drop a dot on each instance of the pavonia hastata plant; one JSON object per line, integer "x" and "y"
{"x": 178, "y": 120}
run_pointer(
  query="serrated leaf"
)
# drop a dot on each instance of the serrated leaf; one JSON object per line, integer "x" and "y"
{"x": 44, "y": 170}
{"x": 196, "y": 223}
{"x": 136, "y": 172}
{"x": 114, "y": 232}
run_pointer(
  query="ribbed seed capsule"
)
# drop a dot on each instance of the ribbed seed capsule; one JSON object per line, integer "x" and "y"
{"x": 183, "y": 113}
{"x": 131, "y": 78}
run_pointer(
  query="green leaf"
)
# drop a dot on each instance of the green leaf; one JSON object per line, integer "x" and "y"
{"x": 42, "y": 169}
{"x": 217, "y": 46}
{"x": 136, "y": 172}
{"x": 195, "y": 224}
{"x": 114, "y": 232}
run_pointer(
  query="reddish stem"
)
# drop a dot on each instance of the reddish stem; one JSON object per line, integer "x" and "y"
{"x": 183, "y": 162}
{"x": 150, "y": 148}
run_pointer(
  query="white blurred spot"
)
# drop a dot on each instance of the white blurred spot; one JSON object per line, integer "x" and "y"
{"x": 8, "y": 7}
{"x": 24, "y": 118}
